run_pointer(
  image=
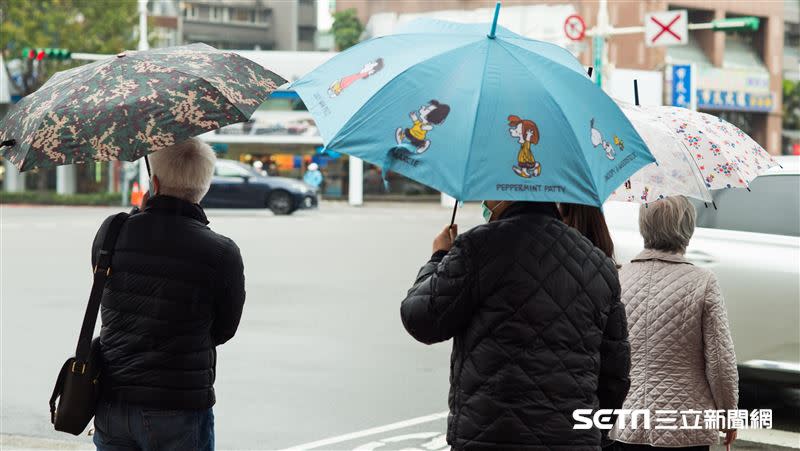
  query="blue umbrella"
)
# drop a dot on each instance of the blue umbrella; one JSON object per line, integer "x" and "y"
{"x": 476, "y": 116}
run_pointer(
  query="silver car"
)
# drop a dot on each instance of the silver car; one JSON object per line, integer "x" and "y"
{"x": 752, "y": 243}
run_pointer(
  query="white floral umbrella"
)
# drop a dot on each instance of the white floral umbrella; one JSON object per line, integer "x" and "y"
{"x": 695, "y": 152}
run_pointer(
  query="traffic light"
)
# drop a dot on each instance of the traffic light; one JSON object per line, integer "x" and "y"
{"x": 49, "y": 53}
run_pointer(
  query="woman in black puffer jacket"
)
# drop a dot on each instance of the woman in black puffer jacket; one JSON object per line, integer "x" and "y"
{"x": 539, "y": 331}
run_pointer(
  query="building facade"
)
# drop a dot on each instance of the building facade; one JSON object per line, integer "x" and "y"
{"x": 734, "y": 65}
{"x": 236, "y": 24}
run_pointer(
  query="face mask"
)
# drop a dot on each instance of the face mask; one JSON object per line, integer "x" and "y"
{"x": 487, "y": 212}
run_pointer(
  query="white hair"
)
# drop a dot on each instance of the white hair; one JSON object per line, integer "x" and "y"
{"x": 667, "y": 224}
{"x": 184, "y": 170}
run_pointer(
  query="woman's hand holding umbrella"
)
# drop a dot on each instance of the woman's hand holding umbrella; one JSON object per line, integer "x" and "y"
{"x": 445, "y": 239}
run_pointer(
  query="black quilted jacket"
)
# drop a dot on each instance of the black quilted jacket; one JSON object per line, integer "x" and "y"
{"x": 538, "y": 328}
{"x": 176, "y": 292}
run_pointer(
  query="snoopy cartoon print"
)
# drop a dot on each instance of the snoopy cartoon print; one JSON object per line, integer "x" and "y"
{"x": 527, "y": 134}
{"x": 367, "y": 71}
{"x": 422, "y": 122}
{"x": 597, "y": 140}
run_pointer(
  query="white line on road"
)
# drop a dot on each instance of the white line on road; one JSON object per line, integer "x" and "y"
{"x": 368, "y": 432}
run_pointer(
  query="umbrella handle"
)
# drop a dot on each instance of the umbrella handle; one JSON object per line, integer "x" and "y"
{"x": 147, "y": 163}
{"x": 453, "y": 219}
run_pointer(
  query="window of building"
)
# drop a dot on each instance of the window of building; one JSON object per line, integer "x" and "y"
{"x": 306, "y": 33}
{"x": 191, "y": 12}
{"x": 218, "y": 14}
{"x": 162, "y": 8}
{"x": 243, "y": 15}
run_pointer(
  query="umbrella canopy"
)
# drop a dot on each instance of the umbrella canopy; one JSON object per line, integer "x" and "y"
{"x": 126, "y": 107}
{"x": 696, "y": 152}
{"x": 675, "y": 173}
{"x": 497, "y": 117}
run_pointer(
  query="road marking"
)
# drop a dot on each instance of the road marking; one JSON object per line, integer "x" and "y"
{"x": 368, "y": 432}
{"x": 400, "y": 438}
{"x": 438, "y": 442}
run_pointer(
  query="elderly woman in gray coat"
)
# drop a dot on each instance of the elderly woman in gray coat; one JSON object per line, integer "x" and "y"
{"x": 682, "y": 359}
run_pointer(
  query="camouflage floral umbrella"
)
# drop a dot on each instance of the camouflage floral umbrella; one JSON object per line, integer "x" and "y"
{"x": 134, "y": 104}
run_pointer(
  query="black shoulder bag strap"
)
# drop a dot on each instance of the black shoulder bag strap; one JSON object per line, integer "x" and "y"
{"x": 76, "y": 385}
{"x": 102, "y": 270}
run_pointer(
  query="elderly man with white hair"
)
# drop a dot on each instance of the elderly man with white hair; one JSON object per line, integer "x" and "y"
{"x": 176, "y": 293}
{"x": 682, "y": 357}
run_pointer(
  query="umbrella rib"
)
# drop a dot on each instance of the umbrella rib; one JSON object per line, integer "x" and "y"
{"x": 583, "y": 157}
{"x": 474, "y": 121}
{"x": 567, "y": 52}
{"x": 703, "y": 188}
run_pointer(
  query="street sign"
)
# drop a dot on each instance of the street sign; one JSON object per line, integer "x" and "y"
{"x": 575, "y": 27}
{"x": 682, "y": 84}
{"x": 737, "y": 24}
{"x": 666, "y": 28}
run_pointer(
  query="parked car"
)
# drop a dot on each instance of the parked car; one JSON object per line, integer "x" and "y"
{"x": 752, "y": 243}
{"x": 237, "y": 185}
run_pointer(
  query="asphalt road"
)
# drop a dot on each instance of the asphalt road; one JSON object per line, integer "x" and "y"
{"x": 321, "y": 357}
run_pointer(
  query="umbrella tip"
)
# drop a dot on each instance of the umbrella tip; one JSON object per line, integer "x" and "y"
{"x": 491, "y": 34}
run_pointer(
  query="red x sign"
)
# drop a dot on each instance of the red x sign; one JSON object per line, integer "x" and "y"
{"x": 666, "y": 28}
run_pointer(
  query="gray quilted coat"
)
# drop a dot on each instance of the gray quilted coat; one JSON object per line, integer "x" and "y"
{"x": 538, "y": 331}
{"x": 681, "y": 348}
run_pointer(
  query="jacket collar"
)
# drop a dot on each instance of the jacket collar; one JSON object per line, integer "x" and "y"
{"x": 527, "y": 208}
{"x": 168, "y": 205}
{"x": 653, "y": 254}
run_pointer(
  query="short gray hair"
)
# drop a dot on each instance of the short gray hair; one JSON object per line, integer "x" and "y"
{"x": 667, "y": 224}
{"x": 184, "y": 170}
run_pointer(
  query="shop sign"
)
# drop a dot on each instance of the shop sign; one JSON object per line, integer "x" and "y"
{"x": 733, "y": 89}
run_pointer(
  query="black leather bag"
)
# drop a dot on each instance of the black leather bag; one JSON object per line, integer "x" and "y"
{"x": 77, "y": 386}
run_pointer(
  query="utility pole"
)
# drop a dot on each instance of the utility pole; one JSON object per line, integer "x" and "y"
{"x": 599, "y": 44}
{"x": 604, "y": 29}
{"x": 144, "y": 177}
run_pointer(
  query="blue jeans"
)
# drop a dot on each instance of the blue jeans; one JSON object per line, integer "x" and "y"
{"x": 123, "y": 427}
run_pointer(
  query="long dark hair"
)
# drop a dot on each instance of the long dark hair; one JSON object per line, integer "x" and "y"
{"x": 591, "y": 223}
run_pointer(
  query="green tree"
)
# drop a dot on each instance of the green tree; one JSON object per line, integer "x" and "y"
{"x": 91, "y": 26}
{"x": 791, "y": 105}
{"x": 346, "y": 28}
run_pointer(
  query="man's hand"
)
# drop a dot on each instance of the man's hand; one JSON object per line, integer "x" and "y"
{"x": 730, "y": 436}
{"x": 145, "y": 198}
{"x": 444, "y": 240}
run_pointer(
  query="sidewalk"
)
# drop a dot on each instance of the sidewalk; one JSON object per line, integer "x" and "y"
{"x": 19, "y": 442}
